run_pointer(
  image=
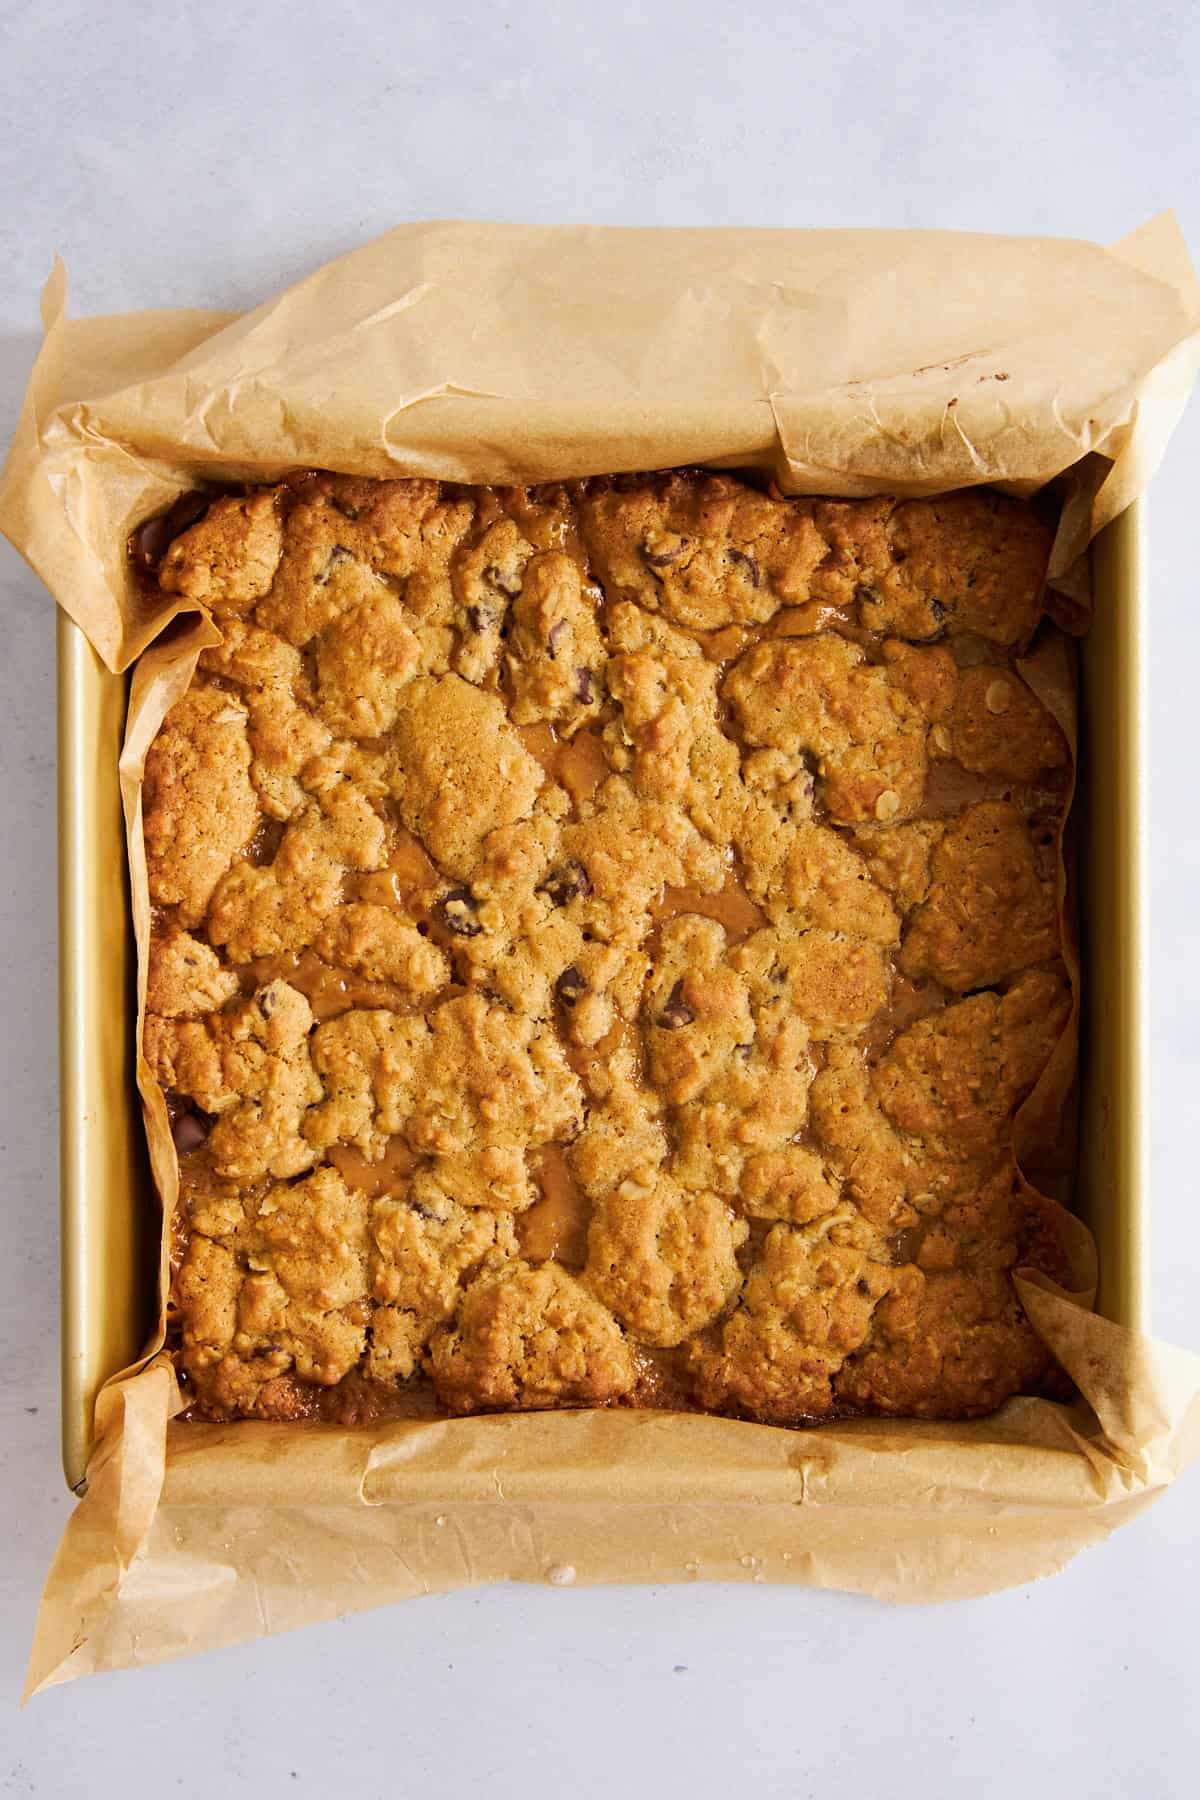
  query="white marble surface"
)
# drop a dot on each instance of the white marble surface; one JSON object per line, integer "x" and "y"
{"x": 206, "y": 153}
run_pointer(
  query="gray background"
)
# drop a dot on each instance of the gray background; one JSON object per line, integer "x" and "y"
{"x": 206, "y": 154}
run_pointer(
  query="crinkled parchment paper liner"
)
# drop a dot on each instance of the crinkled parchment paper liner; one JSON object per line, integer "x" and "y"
{"x": 845, "y": 363}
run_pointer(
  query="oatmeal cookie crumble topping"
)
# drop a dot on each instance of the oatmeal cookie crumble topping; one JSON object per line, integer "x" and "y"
{"x": 603, "y": 937}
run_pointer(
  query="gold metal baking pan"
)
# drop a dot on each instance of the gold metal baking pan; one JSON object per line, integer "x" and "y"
{"x": 109, "y": 1214}
{"x": 110, "y": 1227}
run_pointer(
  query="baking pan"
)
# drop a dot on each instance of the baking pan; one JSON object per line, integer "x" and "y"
{"x": 109, "y": 1213}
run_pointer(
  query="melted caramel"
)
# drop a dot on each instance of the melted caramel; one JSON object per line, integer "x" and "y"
{"x": 329, "y": 991}
{"x": 807, "y": 620}
{"x": 577, "y": 764}
{"x": 586, "y": 1059}
{"x": 731, "y": 907}
{"x": 969, "y": 650}
{"x": 725, "y": 644}
{"x": 949, "y": 788}
{"x": 374, "y": 1179}
{"x": 910, "y": 1001}
{"x": 266, "y": 840}
{"x": 410, "y": 882}
{"x": 554, "y": 1229}
{"x": 661, "y": 1379}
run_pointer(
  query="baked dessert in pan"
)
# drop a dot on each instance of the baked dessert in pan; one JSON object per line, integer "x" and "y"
{"x": 603, "y": 935}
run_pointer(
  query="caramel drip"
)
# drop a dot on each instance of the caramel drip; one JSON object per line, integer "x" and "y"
{"x": 410, "y": 882}
{"x": 731, "y": 907}
{"x": 661, "y": 1379}
{"x": 910, "y": 1001}
{"x": 554, "y": 1229}
{"x": 949, "y": 789}
{"x": 263, "y": 845}
{"x": 816, "y": 616}
{"x": 577, "y": 764}
{"x": 591, "y": 1061}
{"x": 969, "y": 651}
{"x": 726, "y": 643}
{"x": 329, "y": 991}
{"x": 375, "y": 1179}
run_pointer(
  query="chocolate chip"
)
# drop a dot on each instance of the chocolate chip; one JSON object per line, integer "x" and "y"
{"x": 507, "y": 582}
{"x": 555, "y": 638}
{"x": 565, "y": 884}
{"x": 744, "y": 1051}
{"x": 583, "y": 686}
{"x": 189, "y": 1131}
{"x": 938, "y": 611}
{"x": 151, "y": 541}
{"x": 478, "y": 618}
{"x": 867, "y": 596}
{"x": 659, "y": 559}
{"x": 338, "y": 554}
{"x": 569, "y": 986}
{"x": 456, "y": 910}
{"x": 343, "y": 506}
{"x": 676, "y": 1012}
{"x": 751, "y": 566}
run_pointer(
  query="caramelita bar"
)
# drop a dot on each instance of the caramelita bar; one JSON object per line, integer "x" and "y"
{"x": 603, "y": 934}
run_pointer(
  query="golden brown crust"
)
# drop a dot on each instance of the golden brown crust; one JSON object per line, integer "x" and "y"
{"x": 271, "y": 908}
{"x": 374, "y": 942}
{"x": 227, "y": 561}
{"x": 997, "y": 726}
{"x": 705, "y": 551}
{"x": 200, "y": 807}
{"x": 967, "y": 562}
{"x": 530, "y": 1338}
{"x": 601, "y": 945}
{"x": 663, "y": 1259}
{"x": 284, "y": 1289}
{"x": 957, "y": 1078}
{"x": 806, "y": 1306}
{"x": 460, "y": 771}
{"x": 422, "y": 1251}
{"x": 987, "y": 913}
{"x": 185, "y": 977}
{"x": 863, "y": 724}
{"x": 251, "y": 1066}
{"x": 957, "y": 1345}
{"x": 555, "y": 653}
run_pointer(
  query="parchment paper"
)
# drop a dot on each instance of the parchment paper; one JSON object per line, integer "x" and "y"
{"x": 845, "y": 363}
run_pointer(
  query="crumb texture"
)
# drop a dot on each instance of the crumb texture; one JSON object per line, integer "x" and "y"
{"x": 603, "y": 937}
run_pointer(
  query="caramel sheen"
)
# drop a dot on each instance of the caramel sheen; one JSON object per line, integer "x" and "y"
{"x": 731, "y": 907}
{"x": 374, "y": 1179}
{"x": 555, "y": 1226}
{"x": 410, "y": 881}
{"x": 910, "y": 1001}
{"x": 577, "y": 764}
{"x": 329, "y": 991}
